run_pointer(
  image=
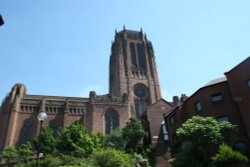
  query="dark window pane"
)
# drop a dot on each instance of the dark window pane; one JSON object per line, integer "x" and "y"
{"x": 198, "y": 106}
{"x": 26, "y": 133}
{"x": 132, "y": 53}
{"x": 111, "y": 121}
{"x": 141, "y": 55}
{"x": 217, "y": 97}
{"x": 224, "y": 118}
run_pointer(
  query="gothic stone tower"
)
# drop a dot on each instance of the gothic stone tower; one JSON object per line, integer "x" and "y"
{"x": 133, "y": 70}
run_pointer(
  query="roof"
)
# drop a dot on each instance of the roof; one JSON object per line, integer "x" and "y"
{"x": 165, "y": 101}
{"x": 172, "y": 110}
{"x": 248, "y": 58}
{"x": 216, "y": 81}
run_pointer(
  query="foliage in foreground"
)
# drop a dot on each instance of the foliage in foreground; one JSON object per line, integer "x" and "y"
{"x": 132, "y": 134}
{"x": 196, "y": 136}
{"x": 112, "y": 158}
{"x": 115, "y": 140}
{"x": 74, "y": 139}
{"x": 186, "y": 157}
{"x": 202, "y": 131}
{"x": 45, "y": 142}
{"x": 227, "y": 156}
{"x": 23, "y": 153}
{"x": 75, "y": 147}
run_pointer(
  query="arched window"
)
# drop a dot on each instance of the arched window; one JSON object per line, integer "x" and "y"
{"x": 133, "y": 54}
{"x": 111, "y": 121}
{"x": 26, "y": 132}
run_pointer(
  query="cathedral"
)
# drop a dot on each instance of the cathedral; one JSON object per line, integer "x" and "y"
{"x": 133, "y": 86}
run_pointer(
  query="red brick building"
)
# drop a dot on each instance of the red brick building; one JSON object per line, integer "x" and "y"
{"x": 226, "y": 98}
{"x": 133, "y": 86}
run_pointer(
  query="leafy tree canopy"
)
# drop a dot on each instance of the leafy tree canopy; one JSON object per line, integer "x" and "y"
{"x": 202, "y": 131}
{"x": 112, "y": 158}
{"x": 132, "y": 134}
{"x": 227, "y": 157}
{"x": 98, "y": 139}
{"x": 24, "y": 152}
{"x": 115, "y": 140}
{"x": 74, "y": 139}
{"x": 45, "y": 142}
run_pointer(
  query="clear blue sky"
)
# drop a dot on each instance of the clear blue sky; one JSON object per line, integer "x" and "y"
{"x": 62, "y": 47}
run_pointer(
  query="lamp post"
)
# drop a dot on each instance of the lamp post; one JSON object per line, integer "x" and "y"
{"x": 42, "y": 116}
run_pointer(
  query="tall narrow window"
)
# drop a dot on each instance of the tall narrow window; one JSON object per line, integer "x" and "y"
{"x": 216, "y": 98}
{"x": 26, "y": 133}
{"x": 141, "y": 55}
{"x": 164, "y": 131}
{"x": 132, "y": 53}
{"x": 198, "y": 106}
{"x": 111, "y": 121}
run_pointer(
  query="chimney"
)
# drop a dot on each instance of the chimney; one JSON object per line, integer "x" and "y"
{"x": 176, "y": 100}
{"x": 184, "y": 97}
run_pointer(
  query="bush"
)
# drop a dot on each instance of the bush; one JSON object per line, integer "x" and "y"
{"x": 115, "y": 140}
{"x": 227, "y": 156}
{"x": 112, "y": 158}
{"x": 45, "y": 142}
{"x": 23, "y": 153}
{"x": 75, "y": 140}
{"x": 187, "y": 157}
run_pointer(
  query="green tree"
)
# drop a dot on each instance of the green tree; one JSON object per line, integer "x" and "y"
{"x": 227, "y": 157}
{"x": 10, "y": 154}
{"x": 197, "y": 135}
{"x": 98, "y": 139}
{"x": 186, "y": 157}
{"x": 23, "y": 153}
{"x": 115, "y": 140}
{"x": 112, "y": 158}
{"x": 45, "y": 142}
{"x": 132, "y": 134}
{"x": 74, "y": 139}
{"x": 202, "y": 131}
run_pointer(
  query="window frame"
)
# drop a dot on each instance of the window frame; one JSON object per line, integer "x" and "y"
{"x": 222, "y": 118}
{"x": 197, "y": 105}
{"x": 215, "y": 99}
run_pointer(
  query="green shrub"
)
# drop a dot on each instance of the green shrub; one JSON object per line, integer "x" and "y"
{"x": 227, "y": 156}
{"x": 112, "y": 158}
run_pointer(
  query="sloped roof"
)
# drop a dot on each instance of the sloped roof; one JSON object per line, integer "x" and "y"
{"x": 248, "y": 58}
{"x": 165, "y": 101}
{"x": 216, "y": 81}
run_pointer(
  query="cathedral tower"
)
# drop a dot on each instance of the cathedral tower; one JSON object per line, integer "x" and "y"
{"x": 133, "y": 70}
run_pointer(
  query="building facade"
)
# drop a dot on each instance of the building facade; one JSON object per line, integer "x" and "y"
{"x": 133, "y": 86}
{"x": 226, "y": 98}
